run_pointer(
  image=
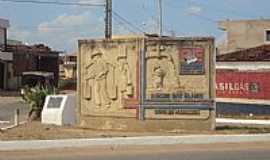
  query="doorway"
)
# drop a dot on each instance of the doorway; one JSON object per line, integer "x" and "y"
{"x": 2, "y": 75}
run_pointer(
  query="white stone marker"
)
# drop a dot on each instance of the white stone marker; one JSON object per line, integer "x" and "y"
{"x": 59, "y": 110}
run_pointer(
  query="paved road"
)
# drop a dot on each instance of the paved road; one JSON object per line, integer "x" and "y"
{"x": 244, "y": 151}
{"x": 7, "y": 109}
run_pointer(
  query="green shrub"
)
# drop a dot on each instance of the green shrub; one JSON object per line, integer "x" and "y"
{"x": 35, "y": 97}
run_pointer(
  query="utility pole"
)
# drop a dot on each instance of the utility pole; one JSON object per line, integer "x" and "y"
{"x": 108, "y": 19}
{"x": 160, "y": 19}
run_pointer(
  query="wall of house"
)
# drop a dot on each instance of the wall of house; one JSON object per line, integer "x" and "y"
{"x": 2, "y": 36}
{"x": 14, "y": 81}
{"x": 69, "y": 67}
{"x": 4, "y": 24}
{"x": 147, "y": 84}
{"x": 24, "y": 62}
{"x": 49, "y": 64}
{"x": 243, "y": 34}
{"x": 70, "y": 72}
{"x": 2, "y": 75}
{"x": 7, "y": 79}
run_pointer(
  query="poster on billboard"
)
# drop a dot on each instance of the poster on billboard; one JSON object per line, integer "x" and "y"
{"x": 191, "y": 61}
{"x": 243, "y": 85}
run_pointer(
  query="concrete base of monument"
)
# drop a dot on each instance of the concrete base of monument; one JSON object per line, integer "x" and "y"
{"x": 148, "y": 125}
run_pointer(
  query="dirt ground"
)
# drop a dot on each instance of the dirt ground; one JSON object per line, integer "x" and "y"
{"x": 37, "y": 131}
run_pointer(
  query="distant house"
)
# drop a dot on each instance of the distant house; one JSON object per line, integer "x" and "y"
{"x": 17, "y": 58}
{"x": 243, "y": 81}
{"x": 68, "y": 66}
{"x": 244, "y": 34}
{"x": 4, "y": 24}
{"x": 5, "y": 57}
{"x": 31, "y": 58}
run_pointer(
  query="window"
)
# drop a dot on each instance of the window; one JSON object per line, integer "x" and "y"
{"x": 267, "y": 35}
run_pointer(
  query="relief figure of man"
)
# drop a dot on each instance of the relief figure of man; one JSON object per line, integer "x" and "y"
{"x": 125, "y": 83}
{"x": 158, "y": 77}
{"x": 99, "y": 71}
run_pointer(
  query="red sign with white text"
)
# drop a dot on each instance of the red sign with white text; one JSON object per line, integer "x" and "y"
{"x": 243, "y": 84}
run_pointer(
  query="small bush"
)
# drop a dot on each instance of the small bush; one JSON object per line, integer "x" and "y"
{"x": 35, "y": 97}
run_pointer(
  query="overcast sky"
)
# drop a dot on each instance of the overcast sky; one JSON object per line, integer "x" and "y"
{"x": 61, "y": 26}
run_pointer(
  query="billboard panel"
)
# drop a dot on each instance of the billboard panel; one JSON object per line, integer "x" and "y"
{"x": 243, "y": 84}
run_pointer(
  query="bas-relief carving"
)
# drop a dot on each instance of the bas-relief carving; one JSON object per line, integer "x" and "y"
{"x": 125, "y": 80}
{"x": 158, "y": 77}
{"x": 162, "y": 75}
{"x": 109, "y": 77}
{"x": 98, "y": 71}
{"x": 108, "y": 80}
{"x": 161, "y": 71}
{"x": 198, "y": 81}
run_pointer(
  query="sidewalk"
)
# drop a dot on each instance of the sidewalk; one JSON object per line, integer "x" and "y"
{"x": 134, "y": 141}
{"x": 8, "y": 105}
{"x": 242, "y": 122}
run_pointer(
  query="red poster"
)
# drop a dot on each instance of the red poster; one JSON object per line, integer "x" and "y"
{"x": 191, "y": 61}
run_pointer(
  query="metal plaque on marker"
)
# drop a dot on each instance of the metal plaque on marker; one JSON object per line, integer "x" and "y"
{"x": 55, "y": 102}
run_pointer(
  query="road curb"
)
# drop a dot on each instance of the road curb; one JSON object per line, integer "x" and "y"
{"x": 242, "y": 121}
{"x": 151, "y": 140}
{"x": 12, "y": 126}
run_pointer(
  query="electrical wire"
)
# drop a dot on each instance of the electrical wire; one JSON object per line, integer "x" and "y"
{"x": 55, "y": 3}
{"x": 127, "y": 22}
{"x": 123, "y": 24}
{"x": 205, "y": 18}
{"x": 116, "y": 15}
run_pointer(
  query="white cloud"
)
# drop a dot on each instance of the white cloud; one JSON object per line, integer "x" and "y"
{"x": 18, "y": 34}
{"x": 63, "y": 32}
{"x": 194, "y": 10}
{"x": 64, "y": 21}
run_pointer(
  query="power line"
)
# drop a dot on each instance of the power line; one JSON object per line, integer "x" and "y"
{"x": 45, "y": 27}
{"x": 127, "y": 22}
{"x": 56, "y": 3}
{"x": 116, "y": 15}
{"x": 204, "y": 18}
{"x": 118, "y": 21}
{"x": 201, "y": 17}
{"x": 73, "y": 27}
{"x": 154, "y": 18}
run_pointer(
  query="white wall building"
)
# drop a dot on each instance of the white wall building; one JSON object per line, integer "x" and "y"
{"x": 5, "y": 57}
{"x": 244, "y": 34}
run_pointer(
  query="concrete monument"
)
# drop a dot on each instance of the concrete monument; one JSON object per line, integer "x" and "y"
{"x": 147, "y": 84}
{"x": 59, "y": 110}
